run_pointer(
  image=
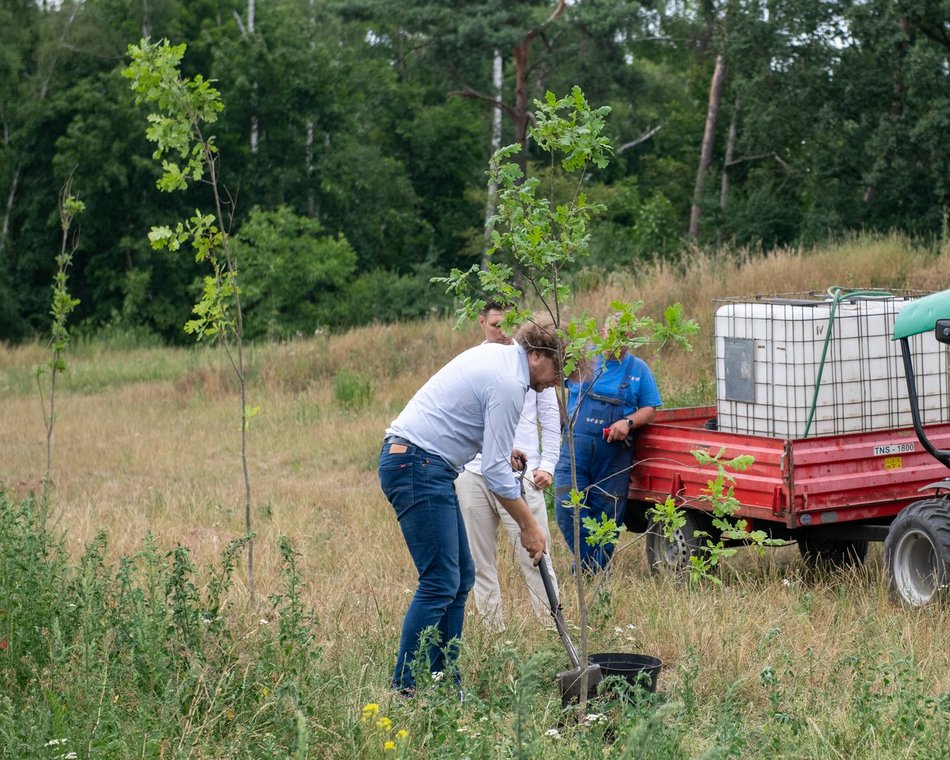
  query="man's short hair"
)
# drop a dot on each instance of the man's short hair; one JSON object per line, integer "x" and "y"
{"x": 539, "y": 335}
{"x": 491, "y": 306}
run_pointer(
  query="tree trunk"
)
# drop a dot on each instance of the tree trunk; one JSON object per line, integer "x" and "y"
{"x": 522, "y": 55}
{"x": 709, "y": 134}
{"x": 497, "y": 83}
{"x": 308, "y": 149}
{"x": 730, "y": 155}
{"x": 11, "y": 198}
{"x": 255, "y": 129}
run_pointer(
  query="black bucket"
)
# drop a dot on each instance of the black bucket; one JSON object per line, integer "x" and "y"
{"x": 636, "y": 669}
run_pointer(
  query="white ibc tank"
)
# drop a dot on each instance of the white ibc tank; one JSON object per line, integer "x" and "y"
{"x": 769, "y": 362}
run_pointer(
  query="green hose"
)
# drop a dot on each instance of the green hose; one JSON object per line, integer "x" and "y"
{"x": 837, "y": 295}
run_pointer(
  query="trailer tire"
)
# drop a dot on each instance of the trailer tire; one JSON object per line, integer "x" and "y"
{"x": 667, "y": 557}
{"x": 917, "y": 552}
{"x": 826, "y": 554}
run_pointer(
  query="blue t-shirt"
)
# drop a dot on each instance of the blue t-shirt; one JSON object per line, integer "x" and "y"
{"x": 628, "y": 379}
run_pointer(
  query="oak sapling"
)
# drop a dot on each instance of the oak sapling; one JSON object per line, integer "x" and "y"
{"x": 62, "y": 306}
{"x": 534, "y": 237}
{"x": 719, "y": 501}
{"x": 183, "y": 108}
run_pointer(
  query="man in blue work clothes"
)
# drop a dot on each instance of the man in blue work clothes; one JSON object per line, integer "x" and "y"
{"x": 471, "y": 405}
{"x": 618, "y": 396}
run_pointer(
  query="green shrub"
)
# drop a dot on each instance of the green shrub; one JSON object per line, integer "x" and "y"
{"x": 351, "y": 391}
{"x": 97, "y": 661}
{"x": 292, "y": 272}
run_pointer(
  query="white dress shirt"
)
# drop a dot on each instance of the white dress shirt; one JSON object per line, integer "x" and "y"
{"x": 472, "y": 404}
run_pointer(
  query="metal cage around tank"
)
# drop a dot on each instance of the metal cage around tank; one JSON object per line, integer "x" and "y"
{"x": 795, "y": 365}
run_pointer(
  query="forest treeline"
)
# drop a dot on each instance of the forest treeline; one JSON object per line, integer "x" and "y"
{"x": 356, "y": 134}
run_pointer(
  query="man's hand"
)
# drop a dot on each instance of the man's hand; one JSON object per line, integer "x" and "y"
{"x": 618, "y": 431}
{"x": 542, "y": 479}
{"x": 519, "y": 460}
{"x": 532, "y": 539}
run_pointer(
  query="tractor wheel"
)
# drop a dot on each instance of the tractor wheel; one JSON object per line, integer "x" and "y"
{"x": 825, "y": 554}
{"x": 917, "y": 552}
{"x": 672, "y": 557}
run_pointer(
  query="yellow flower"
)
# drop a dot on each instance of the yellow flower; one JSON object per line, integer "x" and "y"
{"x": 385, "y": 723}
{"x": 390, "y": 745}
{"x": 264, "y": 692}
{"x": 370, "y": 711}
{"x": 402, "y": 733}
{"x": 229, "y": 714}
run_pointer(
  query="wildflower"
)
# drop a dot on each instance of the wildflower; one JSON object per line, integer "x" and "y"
{"x": 264, "y": 692}
{"x": 55, "y": 742}
{"x": 385, "y": 723}
{"x": 370, "y": 711}
{"x": 229, "y": 714}
{"x": 265, "y": 622}
{"x": 553, "y": 733}
{"x": 3, "y": 645}
{"x": 402, "y": 733}
{"x": 592, "y": 718}
{"x": 389, "y": 745}
{"x": 69, "y": 756}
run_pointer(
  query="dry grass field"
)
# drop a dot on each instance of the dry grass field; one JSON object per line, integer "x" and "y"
{"x": 773, "y": 661}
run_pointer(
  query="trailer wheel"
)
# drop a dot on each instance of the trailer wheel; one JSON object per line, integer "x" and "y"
{"x": 917, "y": 552}
{"x": 825, "y": 554}
{"x": 667, "y": 557}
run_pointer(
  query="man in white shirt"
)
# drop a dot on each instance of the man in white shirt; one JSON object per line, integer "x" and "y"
{"x": 472, "y": 404}
{"x": 483, "y": 512}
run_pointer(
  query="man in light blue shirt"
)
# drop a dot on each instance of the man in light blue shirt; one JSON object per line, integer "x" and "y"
{"x": 472, "y": 404}
{"x": 481, "y": 510}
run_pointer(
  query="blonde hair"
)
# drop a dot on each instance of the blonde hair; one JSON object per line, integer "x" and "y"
{"x": 539, "y": 335}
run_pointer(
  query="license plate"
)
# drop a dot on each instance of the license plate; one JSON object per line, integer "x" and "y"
{"x": 894, "y": 448}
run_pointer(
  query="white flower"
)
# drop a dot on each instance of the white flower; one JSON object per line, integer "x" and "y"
{"x": 592, "y": 718}
{"x": 68, "y": 756}
{"x": 618, "y": 629}
{"x": 553, "y": 733}
{"x": 54, "y": 742}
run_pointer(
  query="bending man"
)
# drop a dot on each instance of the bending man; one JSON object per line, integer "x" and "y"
{"x": 472, "y": 404}
{"x": 483, "y": 512}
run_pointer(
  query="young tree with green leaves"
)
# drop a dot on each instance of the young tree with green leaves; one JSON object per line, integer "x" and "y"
{"x": 534, "y": 237}
{"x": 184, "y": 107}
{"x": 62, "y": 306}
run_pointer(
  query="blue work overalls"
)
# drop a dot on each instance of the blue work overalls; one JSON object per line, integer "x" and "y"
{"x": 603, "y": 469}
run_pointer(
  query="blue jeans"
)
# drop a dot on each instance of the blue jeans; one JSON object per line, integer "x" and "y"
{"x": 603, "y": 478}
{"x": 419, "y": 485}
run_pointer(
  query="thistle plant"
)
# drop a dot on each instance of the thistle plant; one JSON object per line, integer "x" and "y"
{"x": 184, "y": 108}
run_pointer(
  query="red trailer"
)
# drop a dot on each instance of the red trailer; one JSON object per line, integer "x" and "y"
{"x": 830, "y": 493}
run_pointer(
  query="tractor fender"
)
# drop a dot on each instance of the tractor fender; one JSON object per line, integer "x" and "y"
{"x": 942, "y": 485}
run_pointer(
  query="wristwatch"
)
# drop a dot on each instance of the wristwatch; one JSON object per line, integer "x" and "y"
{"x": 629, "y": 423}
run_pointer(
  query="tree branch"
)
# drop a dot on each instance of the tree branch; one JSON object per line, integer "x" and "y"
{"x": 642, "y": 138}
{"x": 562, "y": 4}
{"x": 469, "y": 92}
